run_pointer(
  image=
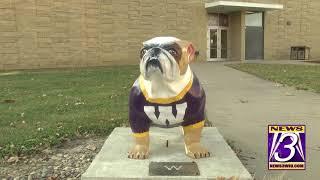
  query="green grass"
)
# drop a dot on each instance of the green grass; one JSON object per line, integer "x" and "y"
{"x": 52, "y": 105}
{"x": 303, "y": 77}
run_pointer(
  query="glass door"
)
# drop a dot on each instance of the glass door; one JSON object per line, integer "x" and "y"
{"x": 217, "y": 43}
{"x": 223, "y": 43}
{"x": 254, "y": 36}
{"x": 213, "y": 43}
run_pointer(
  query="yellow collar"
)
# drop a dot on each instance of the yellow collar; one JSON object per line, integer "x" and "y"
{"x": 168, "y": 100}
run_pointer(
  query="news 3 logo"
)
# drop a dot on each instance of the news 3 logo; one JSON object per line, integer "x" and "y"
{"x": 286, "y": 147}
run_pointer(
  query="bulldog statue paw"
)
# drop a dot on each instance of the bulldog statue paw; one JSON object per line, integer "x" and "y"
{"x": 196, "y": 151}
{"x": 192, "y": 143}
{"x": 167, "y": 94}
{"x": 141, "y": 148}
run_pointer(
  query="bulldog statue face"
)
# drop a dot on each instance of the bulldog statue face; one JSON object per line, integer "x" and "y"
{"x": 161, "y": 57}
{"x": 167, "y": 94}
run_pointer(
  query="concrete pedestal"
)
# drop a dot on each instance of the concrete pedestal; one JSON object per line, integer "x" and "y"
{"x": 112, "y": 161}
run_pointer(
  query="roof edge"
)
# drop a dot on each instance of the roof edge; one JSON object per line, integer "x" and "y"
{"x": 244, "y": 4}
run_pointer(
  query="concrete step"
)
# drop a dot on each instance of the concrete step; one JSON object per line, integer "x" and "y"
{"x": 112, "y": 161}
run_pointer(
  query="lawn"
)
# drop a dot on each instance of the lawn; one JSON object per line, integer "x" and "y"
{"x": 41, "y": 108}
{"x": 304, "y": 77}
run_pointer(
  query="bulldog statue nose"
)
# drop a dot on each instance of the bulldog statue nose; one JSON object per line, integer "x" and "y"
{"x": 153, "y": 62}
{"x": 154, "y": 52}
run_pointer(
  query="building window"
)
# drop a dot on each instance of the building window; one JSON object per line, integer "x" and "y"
{"x": 254, "y": 19}
{"x": 218, "y": 20}
{"x": 223, "y": 20}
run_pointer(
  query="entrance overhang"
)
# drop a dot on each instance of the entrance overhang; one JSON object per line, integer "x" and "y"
{"x": 232, "y": 6}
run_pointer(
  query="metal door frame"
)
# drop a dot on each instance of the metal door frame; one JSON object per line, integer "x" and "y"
{"x": 218, "y": 28}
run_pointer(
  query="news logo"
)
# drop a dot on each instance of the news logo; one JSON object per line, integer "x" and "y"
{"x": 286, "y": 147}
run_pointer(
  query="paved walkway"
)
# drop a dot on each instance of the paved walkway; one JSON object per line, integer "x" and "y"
{"x": 242, "y": 105}
{"x": 297, "y": 62}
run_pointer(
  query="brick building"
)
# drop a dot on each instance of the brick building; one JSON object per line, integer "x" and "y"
{"x": 75, "y": 33}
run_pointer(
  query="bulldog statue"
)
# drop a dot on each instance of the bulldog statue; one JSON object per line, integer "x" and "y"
{"x": 167, "y": 94}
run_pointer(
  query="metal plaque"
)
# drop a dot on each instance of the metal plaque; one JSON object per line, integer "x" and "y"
{"x": 173, "y": 169}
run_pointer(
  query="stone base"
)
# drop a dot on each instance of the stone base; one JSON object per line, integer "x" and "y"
{"x": 112, "y": 161}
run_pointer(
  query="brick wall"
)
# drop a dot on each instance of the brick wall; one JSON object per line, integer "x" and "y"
{"x": 72, "y": 33}
{"x": 297, "y": 24}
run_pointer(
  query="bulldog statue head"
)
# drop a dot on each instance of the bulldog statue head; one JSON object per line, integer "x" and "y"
{"x": 165, "y": 57}
{"x": 167, "y": 94}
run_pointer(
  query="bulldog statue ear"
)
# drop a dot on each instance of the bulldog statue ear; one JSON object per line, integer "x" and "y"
{"x": 191, "y": 53}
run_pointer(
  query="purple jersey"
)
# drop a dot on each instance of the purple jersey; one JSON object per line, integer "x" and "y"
{"x": 186, "y": 109}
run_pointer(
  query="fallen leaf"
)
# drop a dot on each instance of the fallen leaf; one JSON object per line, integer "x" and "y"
{"x": 9, "y": 101}
{"x": 289, "y": 94}
{"x": 47, "y": 151}
{"x": 78, "y": 103}
{"x": 244, "y": 101}
{"x": 13, "y": 159}
{"x": 52, "y": 178}
{"x": 91, "y": 147}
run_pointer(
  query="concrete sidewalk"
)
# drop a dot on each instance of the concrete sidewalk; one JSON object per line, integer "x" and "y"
{"x": 241, "y": 106}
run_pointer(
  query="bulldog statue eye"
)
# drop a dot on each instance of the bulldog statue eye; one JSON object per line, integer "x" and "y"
{"x": 142, "y": 52}
{"x": 172, "y": 52}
